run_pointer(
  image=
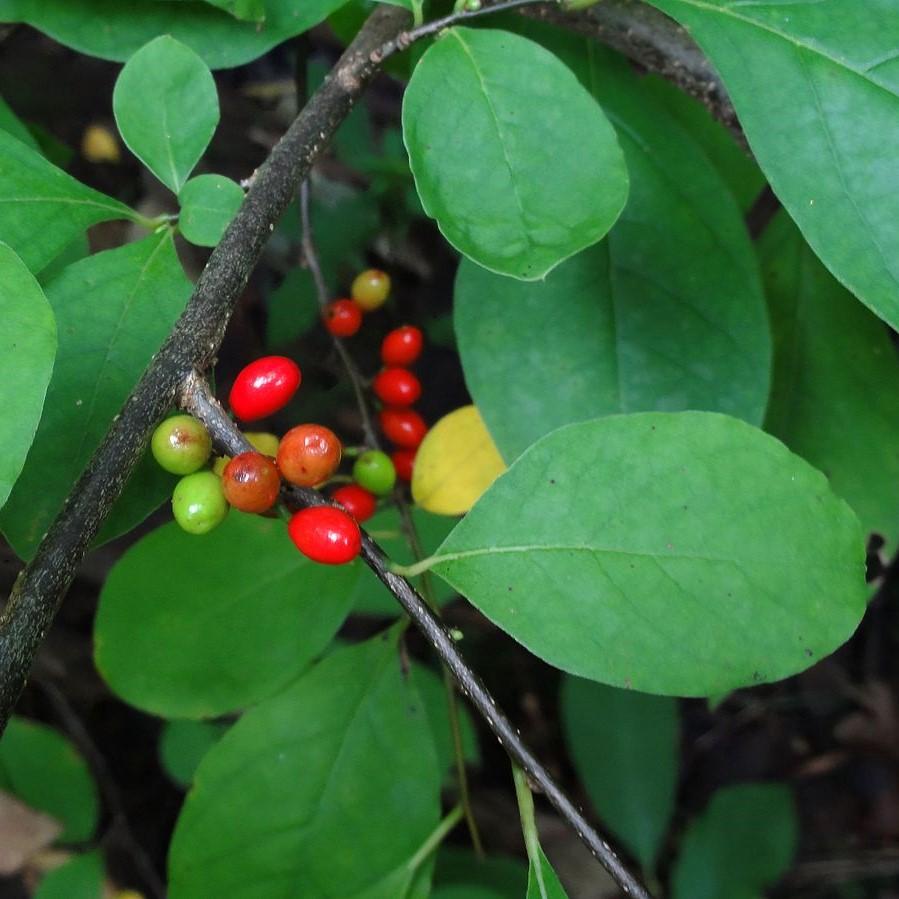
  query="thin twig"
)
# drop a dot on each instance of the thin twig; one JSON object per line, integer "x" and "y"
{"x": 109, "y": 789}
{"x": 406, "y": 38}
{"x": 310, "y": 257}
{"x": 197, "y": 399}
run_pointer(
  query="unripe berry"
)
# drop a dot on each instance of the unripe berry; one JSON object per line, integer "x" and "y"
{"x": 267, "y": 444}
{"x": 309, "y": 455}
{"x": 251, "y": 482}
{"x": 342, "y": 318}
{"x": 403, "y": 427}
{"x": 264, "y": 387}
{"x": 374, "y": 471}
{"x": 403, "y": 461}
{"x": 198, "y": 502}
{"x": 370, "y": 289}
{"x": 357, "y": 501}
{"x": 396, "y": 387}
{"x": 326, "y": 535}
{"x": 402, "y": 346}
{"x": 181, "y": 444}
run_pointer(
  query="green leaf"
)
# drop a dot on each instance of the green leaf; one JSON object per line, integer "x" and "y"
{"x": 167, "y": 109}
{"x": 432, "y": 691}
{"x": 113, "y": 310}
{"x": 843, "y": 418}
{"x": 734, "y": 164}
{"x": 371, "y": 597}
{"x": 292, "y": 308}
{"x": 235, "y": 617}
{"x": 682, "y": 553}
{"x": 460, "y": 874}
{"x": 321, "y": 791}
{"x": 12, "y": 124}
{"x": 667, "y": 314}
{"x": 511, "y": 156}
{"x": 79, "y": 878}
{"x": 182, "y": 745}
{"x": 219, "y": 38}
{"x": 27, "y": 351}
{"x": 741, "y": 844}
{"x": 42, "y": 209}
{"x": 246, "y": 10}
{"x": 543, "y": 882}
{"x": 826, "y": 71}
{"x": 42, "y": 768}
{"x": 208, "y": 203}
{"x": 624, "y": 746}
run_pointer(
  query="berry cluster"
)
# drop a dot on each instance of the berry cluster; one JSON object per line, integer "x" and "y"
{"x": 308, "y": 455}
{"x": 395, "y": 385}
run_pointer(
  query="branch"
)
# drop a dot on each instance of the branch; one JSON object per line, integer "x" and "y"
{"x": 192, "y": 345}
{"x": 197, "y": 399}
{"x": 656, "y": 42}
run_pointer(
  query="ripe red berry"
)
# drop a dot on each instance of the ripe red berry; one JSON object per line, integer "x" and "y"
{"x": 402, "y": 346}
{"x": 403, "y": 427}
{"x": 264, "y": 387}
{"x": 342, "y": 318}
{"x": 403, "y": 461}
{"x": 309, "y": 454}
{"x": 357, "y": 501}
{"x": 251, "y": 482}
{"x": 396, "y": 387}
{"x": 326, "y": 535}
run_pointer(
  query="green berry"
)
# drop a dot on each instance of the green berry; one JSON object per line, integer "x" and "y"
{"x": 199, "y": 503}
{"x": 375, "y": 472}
{"x": 181, "y": 444}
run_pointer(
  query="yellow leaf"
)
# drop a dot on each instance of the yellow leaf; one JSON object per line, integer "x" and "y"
{"x": 456, "y": 462}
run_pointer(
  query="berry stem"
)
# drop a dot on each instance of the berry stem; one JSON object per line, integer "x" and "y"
{"x": 310, "y": 258}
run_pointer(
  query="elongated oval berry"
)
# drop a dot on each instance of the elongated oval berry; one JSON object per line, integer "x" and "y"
{"x": 181, "y": 444}
{"x": 403, "y": 461}
{"x": 396, "y": 387}
{"x": 309, "y": 455}
{"x": 374, "y": 471}
{"x": 251, "y": 482}
{"x": 264, "y": 387}
{"x": 357, "y": 501}
{"x": 403, "y": 427}
{"x": 325, "y": 535}
{"x": 402, "y": 346}
{"x": 198, "y": 502}
{"x": 342, "y": 318}
{"x": 371, "y": 288}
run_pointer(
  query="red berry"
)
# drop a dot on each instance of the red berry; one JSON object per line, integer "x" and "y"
{"x": 342, "y": 318}
{"x": 326, "y": 535}
{"x": 402, "y": 346}
{"x": 309, "y": 454}
{"x": 264, "y": 387}
{"x": 403, "y": 427}
{"x": 396, "y": 387}
{"x": 251, "y": 482}
{"x": 357, "y": 501}
{"x": 403, "y": 460}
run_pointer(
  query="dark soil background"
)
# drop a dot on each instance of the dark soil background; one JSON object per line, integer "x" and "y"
{"x": 832, "y": 733}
